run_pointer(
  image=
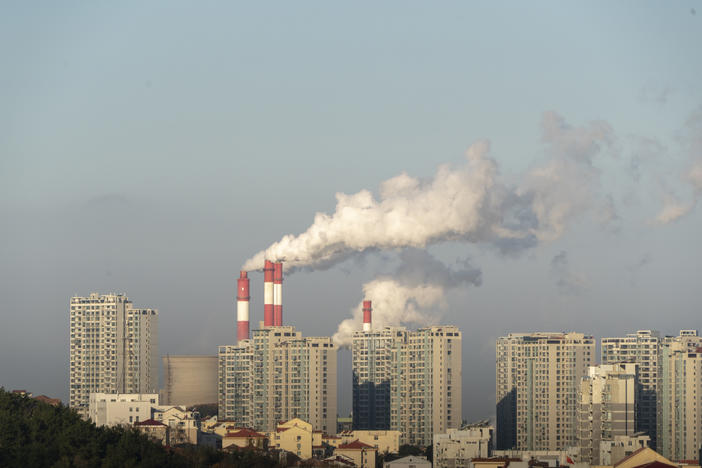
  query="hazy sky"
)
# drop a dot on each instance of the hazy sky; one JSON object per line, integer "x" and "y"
{"x": 152, "y": 148}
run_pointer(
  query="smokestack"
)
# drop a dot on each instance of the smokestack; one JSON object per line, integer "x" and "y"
{"x": 278, "y": 294}
{"x": 242, "y": 307}
{"x": 268, "y": 294}
{"x": 367, "y": 320}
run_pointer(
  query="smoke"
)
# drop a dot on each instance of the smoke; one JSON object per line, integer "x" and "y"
{"x": 413, "y": 294}
{"x": 470, "y": 203}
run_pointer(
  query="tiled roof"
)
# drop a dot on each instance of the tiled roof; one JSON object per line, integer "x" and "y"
{"x": 356, "y": 444}
{"x": 149, "y": 422}
{"x": 245, "y": 432}
{"x": 632, "y": 455}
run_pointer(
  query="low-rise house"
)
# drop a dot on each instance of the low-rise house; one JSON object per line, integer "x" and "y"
{"x": 245, "y": 438}
{"x": 156, "y": 430}
{"x": 411, "y": 461}
{"x": 383, "y": 441}
{"x": 294, "y": 436}
{"x": 184, "y": 424}
{"x": 456, "y": 447}
{"x": 363, "y": 455}
{"x": 612, "y": 451}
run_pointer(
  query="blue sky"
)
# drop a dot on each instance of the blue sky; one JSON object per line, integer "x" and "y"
{"x": 152, "y": 149}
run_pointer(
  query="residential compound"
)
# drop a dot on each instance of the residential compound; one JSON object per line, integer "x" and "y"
{"x": 408, "y": 381}
{"x": 606, "y": 403}
{"x": 113, "y": 348}
{"x": 537, "y": 380}
{"x": 279, "y": 375}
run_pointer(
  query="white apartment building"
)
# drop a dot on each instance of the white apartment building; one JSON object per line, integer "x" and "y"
{"x": 279, "y": 375}
{"x": 113, "y": 409}
{"x": 113, "y": 348}
{"x": 642, "y": 348}
{"x": 537, "y": 381}
{"x": 408, "y": 381}
{"x": 607, "y": 399}
{"x": 680, "y": 397}
{"x": 456, "y": 448}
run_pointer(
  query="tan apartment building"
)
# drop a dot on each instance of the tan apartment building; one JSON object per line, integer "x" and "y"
{"x": 537, "y": 380}
{"x": 407, "y": 381}
{"x": 642, "y": 348}
{"x": 113, "y": 348}
{"x": 680, "y": 397}
{"x": 606, "y": 407}
{"x": 279, "y": 375}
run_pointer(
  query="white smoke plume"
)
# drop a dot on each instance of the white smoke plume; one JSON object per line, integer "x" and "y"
{"x": 468, "y": 203}
{"x": 408, "y": 296}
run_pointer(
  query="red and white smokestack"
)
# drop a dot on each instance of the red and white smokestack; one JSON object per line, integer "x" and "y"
{"x": 242, "y": 307}
{"x": 268, "y": 294}
{"x": 367, "y": 320}
{"x": 278, "y": 294}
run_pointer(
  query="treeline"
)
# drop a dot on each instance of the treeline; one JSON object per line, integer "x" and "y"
{"x": 36, "y": 434}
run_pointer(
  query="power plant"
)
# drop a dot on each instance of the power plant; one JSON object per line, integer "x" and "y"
{"x": 272, "y": 299}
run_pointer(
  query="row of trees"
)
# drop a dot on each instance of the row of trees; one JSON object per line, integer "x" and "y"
{"x": 36, "y": 434}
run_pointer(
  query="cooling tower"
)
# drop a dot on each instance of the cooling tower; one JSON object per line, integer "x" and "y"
{"x": 189, "y": 380}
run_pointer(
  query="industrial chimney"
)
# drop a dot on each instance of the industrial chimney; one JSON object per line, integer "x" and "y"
{"x": 268, "y": 294}
{"x": 242, "y": 307}
{"x": 278, "y": 294}
{"x": 367, "y": 320}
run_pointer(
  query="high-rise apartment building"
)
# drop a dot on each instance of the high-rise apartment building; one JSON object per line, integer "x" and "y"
{"x": 642, "y": 348}
{"x": 276, "y": 376}
{"x": 537, "y": 381}
{"x": 680, "y": 397}
{"x": 113, "y": 348}
{"x": 606, "y": 404}
{"x": 409, "y": 381}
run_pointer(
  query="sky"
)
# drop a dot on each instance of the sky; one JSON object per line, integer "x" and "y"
{"x": 507, "y": 167}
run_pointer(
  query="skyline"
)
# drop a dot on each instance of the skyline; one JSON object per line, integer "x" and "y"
{"x": 138, "y": 146}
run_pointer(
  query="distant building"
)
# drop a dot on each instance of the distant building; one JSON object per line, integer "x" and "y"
{"x": 606, "y": 407}
{"x": 679, "y": 408}
{"x": 184, "y": 425}
{"x": 245, "y": 438}
{"x": 278, "y": 375}
{"x": 642, "y": 348}
{"x": 156, "y": 430}
{"x": 411, "y": 461}
{"x": 456, "y": 448}
{"x": 189, "y": 380}
{"x": 537, "y": 380}
{"x": 408, "y": 381}
{"x": 363, "y": 455}
{"x": 383, "y": 441}
{"x": 295, "y": 436}
{"x": 619, "y": 447}
{"x": 344, "y": 424}
{"x": 113, "y": 348}
{"x": 113, "y": 409}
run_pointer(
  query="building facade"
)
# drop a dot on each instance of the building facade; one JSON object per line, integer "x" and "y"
{"x": 606, "y": 407}
{"x": 189, "y": 380}
{"x": 278, "y": 375}
{"x": 408, "y": 381}
{"x": 537, "y": 381}
{"x": 456, "y": 448}
{"x": 642, "y": 348}
{"x": 113, "y": 348}
{"x": 680, "y": 397}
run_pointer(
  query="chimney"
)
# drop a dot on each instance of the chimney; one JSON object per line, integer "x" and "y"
{"x": 268, "y": 294}
{"x": 278, "y": 294}
{"x": 242, "y": 307}
{"x": 367, "y": 321}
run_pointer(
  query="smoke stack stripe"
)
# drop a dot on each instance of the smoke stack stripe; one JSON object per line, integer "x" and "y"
{"x": 242, "y": 307}
{"x": 367, "y": 316}
{"x": 278, "y": 294}
{"x": 268, "y": 294}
